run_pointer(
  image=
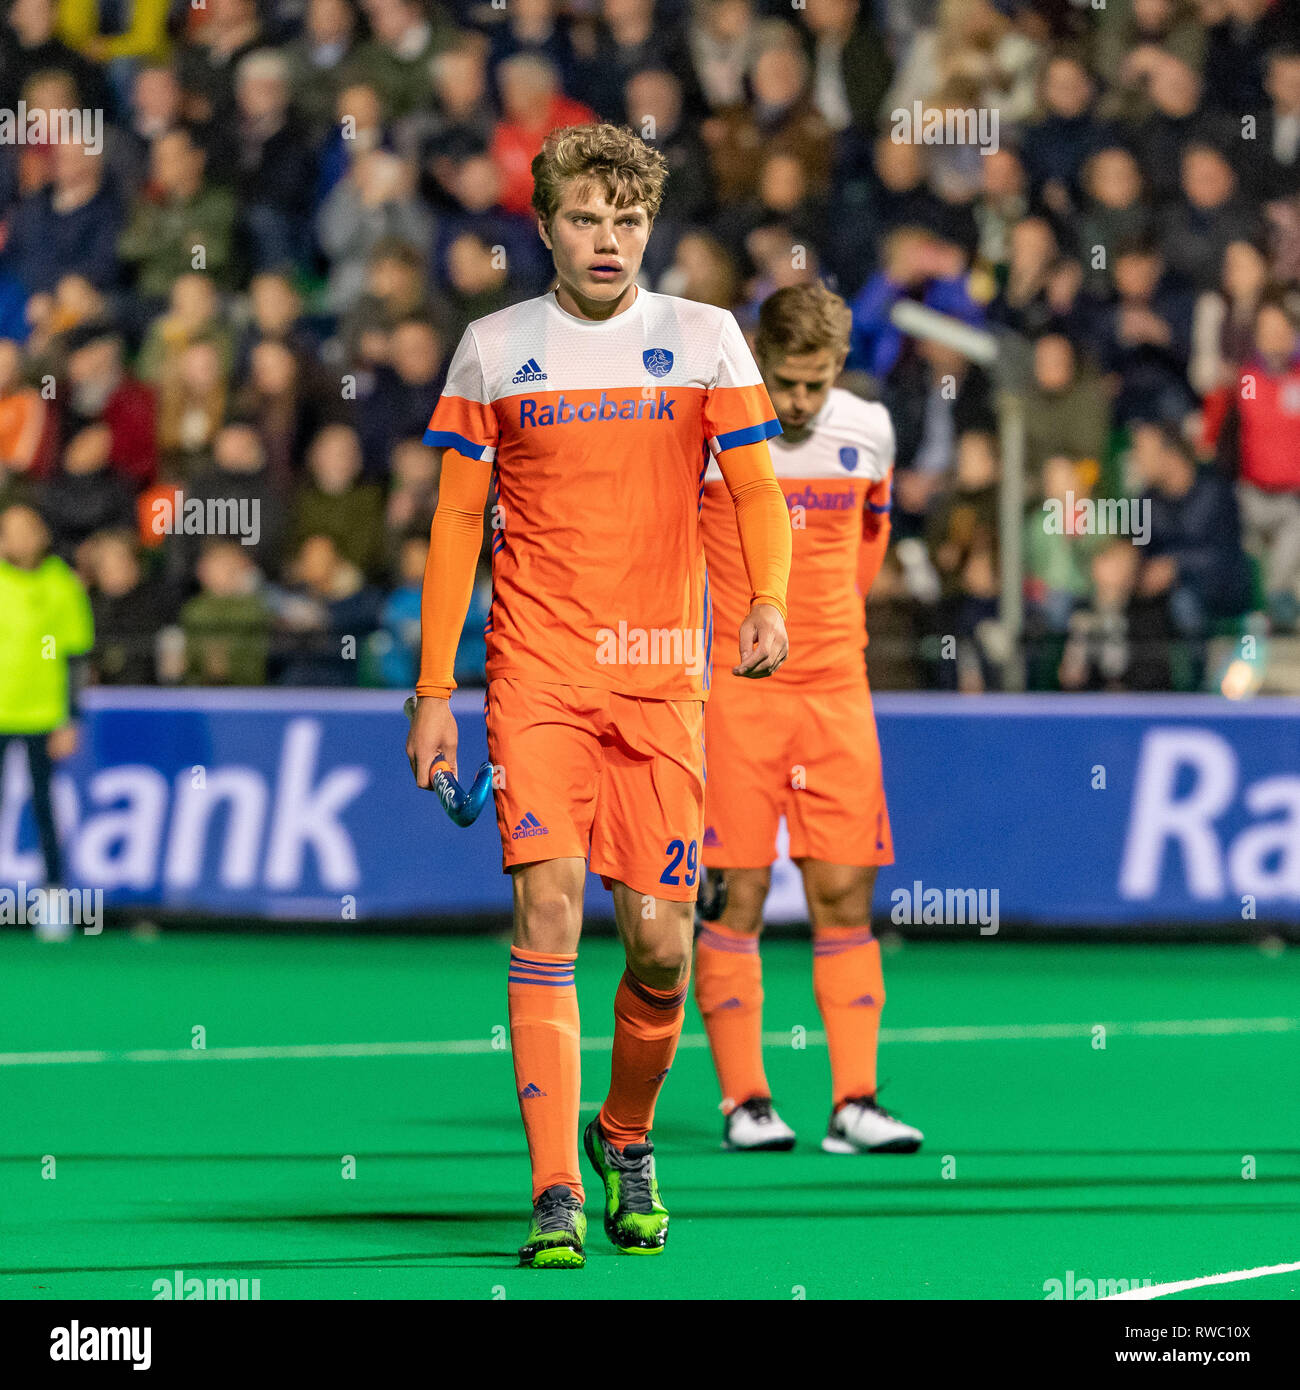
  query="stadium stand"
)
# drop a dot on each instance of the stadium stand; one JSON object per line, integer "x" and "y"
{"x": 237, "y": 294}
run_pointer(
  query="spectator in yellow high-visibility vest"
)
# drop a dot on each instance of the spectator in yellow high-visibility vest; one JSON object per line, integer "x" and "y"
{"x": 46, "y": 625}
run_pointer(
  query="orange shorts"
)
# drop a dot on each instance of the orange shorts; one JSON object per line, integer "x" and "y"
{"x": 604, "y": 777}
{"x": 795, "y": 751}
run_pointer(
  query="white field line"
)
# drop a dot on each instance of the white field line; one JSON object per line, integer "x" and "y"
{"x": 1160, "y": 1290}
{"x": 1012, "y": 1032}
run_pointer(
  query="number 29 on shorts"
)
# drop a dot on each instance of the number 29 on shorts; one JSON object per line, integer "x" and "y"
{"x": 676, "y": 851}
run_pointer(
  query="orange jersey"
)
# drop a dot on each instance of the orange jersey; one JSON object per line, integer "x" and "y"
{"x": 836, "y": 484}
{"x": 599, "y": 434}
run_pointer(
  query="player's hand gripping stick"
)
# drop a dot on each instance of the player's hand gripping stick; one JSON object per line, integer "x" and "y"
{"x": 461, "y": 805}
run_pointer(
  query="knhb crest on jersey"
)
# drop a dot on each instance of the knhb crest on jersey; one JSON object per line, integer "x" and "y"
{"x": 658, "y": 361}
{"x": 849, "y": 458}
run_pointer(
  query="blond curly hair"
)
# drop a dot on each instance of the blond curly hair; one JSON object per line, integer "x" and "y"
{"x": 615, "y": 158}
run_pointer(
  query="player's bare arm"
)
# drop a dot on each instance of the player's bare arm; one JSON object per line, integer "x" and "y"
{"x": 455, "y": 539}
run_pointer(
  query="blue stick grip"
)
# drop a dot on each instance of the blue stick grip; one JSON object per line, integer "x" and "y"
{"x": 461, "y": 805}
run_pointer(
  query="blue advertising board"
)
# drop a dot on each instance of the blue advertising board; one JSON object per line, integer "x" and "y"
{"x": 300, "y": 804}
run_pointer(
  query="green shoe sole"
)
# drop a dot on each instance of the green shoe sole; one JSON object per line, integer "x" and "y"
{"x": 558, "y": 1257}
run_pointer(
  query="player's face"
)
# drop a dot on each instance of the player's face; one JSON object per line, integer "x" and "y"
{"x": 798, "y": 387}
{"x": 597, "y": 249}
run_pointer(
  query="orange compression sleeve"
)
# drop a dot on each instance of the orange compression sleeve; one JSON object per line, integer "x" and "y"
{"x": 762, "y": 518}
{"x": 871, "y": 554}
{"x": 454, "y": 543}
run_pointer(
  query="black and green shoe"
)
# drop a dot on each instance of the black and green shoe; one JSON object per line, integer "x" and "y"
{"x": 558, "y": 1229}
{"x": 635, "y": 1219}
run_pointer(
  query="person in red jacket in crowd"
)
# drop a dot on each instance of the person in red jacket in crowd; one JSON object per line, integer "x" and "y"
{"x": 534, "y": 106}
{"x": 1262, "y": 444}
{"x": 103, "y": 391}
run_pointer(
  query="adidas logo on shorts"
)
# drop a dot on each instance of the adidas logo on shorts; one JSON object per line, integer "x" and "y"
{"x": 530, "y": 371}
{"x": 530, "y": 825}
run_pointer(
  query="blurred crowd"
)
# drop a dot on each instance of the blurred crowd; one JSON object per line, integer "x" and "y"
{"x": 240, "y": 301}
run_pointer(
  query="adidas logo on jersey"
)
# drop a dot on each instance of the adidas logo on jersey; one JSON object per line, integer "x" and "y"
{"x": 531, "y": 1092}
{"x": 711, "y": 838}
{"x": 530, "y": 371}
{"x": 530, "y": 825}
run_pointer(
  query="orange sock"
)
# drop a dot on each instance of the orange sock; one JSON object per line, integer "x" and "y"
{"x": 729, "y": 991}
{"x": 544, "y": 1039}
{"x": 850, "y": 992}
{"x": 647, "y": 1024}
